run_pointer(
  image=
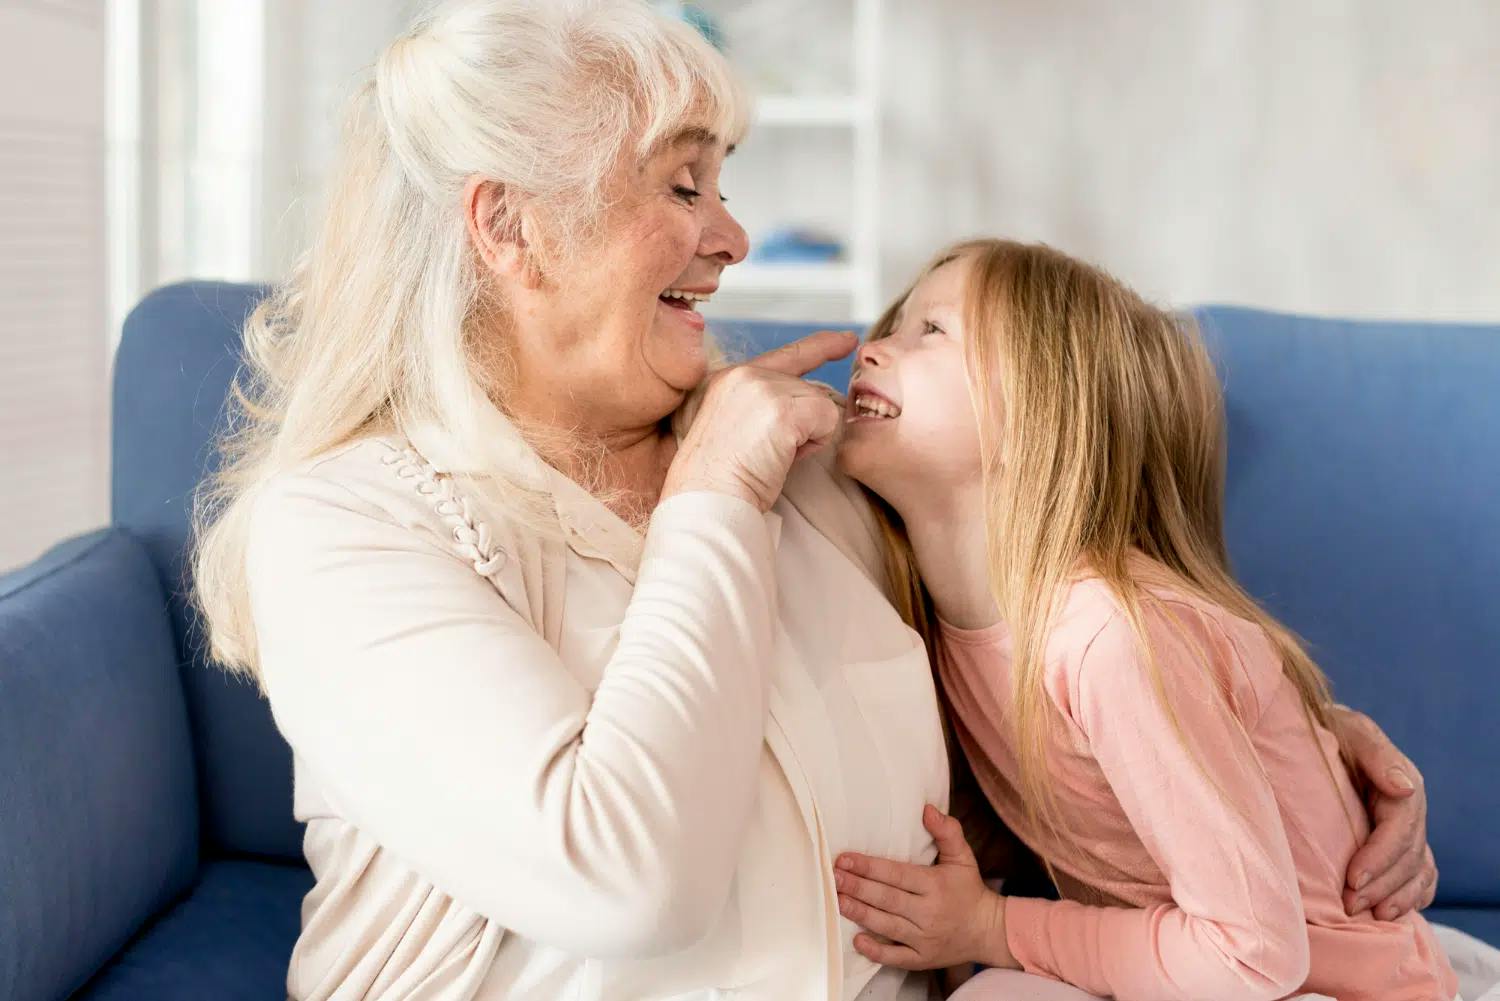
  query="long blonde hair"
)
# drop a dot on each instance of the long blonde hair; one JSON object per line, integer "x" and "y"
{"x": 387, "y": 318}
{"x": 1102, "y": 436}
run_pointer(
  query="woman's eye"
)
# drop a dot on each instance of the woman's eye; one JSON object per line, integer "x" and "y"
{"x": 686, "y": 193}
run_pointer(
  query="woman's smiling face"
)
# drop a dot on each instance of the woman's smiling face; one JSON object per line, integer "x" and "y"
{"x": 612, "y": 340}
{"x": 910, "y": 428}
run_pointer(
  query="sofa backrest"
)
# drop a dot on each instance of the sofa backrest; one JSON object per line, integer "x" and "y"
{"x": 1364, "y": 473}
{"x": 178, "y": 352}
{"x": 1364, "y": 511}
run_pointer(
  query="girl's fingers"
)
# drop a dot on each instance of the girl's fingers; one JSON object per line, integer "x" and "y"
{"x": 948, "y": 834}
{"x": 911, "y": 878}
{"x": 868, "y": 891}
{"x": 887, "y": 953}
{"x": 892, "y": 926}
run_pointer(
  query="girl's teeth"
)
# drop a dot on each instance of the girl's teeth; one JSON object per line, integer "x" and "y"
{"x": 875, "y": 408}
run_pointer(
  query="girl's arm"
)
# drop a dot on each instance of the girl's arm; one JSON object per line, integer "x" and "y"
{"x": 1233, "y": 926}
{"x": 1197, "y": 797}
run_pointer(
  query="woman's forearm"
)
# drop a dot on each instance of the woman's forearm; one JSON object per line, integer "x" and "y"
{"x": 434, "y": 719}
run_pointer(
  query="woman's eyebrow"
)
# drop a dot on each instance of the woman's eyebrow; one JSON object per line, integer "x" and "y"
{"x": 691, "y": 135}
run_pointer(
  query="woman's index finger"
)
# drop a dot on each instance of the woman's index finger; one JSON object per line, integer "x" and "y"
{"x": 801, "y": 356}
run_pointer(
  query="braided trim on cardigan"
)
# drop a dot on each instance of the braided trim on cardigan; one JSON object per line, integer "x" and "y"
{"x": 472, "y": 538}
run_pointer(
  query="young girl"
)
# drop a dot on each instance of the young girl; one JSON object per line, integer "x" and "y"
{"x": 1052, "y": 446}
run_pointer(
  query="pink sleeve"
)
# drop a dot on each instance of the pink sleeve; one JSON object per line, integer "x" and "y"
{"x": 1235, "y": 925}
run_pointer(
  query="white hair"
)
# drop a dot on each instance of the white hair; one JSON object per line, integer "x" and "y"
{"x": 388, "y": 317}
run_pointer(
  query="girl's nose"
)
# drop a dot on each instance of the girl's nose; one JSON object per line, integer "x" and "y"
{"x": 871, "y": 354}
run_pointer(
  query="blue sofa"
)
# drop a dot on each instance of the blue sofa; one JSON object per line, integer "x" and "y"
{"x": 147, "y": 846}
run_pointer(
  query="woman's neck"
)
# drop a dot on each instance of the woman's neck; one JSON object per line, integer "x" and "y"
{"x": 948, "y": 539}
{"x": 624, "y": 470}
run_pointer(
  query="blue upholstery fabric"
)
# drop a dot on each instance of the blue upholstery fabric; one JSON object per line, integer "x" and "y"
{"x": 98, "y": 820}
{"x": 178, "y": 353}
{"x": 1364, "y": 510}
{"x": 228, "y": 941}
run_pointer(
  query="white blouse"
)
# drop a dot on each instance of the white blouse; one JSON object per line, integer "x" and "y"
{"x": 645, "y": 807}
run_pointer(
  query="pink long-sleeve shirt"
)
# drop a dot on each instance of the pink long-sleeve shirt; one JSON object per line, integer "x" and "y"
{"x": 1215, "y": 872}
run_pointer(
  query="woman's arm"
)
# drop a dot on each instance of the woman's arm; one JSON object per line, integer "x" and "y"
{"x": 435, "y": 720}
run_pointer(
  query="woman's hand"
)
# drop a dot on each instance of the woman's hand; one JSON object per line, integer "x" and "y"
{"x": 756, "y": 419}
{"x": 1394, "y": 871}
{"x": 924, "y": 917}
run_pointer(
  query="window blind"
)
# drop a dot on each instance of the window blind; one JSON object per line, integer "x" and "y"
{"x": 53, "y": 338}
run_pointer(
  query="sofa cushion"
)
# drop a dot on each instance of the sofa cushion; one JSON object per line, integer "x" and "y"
{"x": 229, "y": 939}
{"x": 178, "y": 352}
{"x": 98, "y": 821}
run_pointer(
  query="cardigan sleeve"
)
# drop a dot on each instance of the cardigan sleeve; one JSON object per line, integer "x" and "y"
{"x": 435, "y": 720}
{"x": 1194, "y": 791}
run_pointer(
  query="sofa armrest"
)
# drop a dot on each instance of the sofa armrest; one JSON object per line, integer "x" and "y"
{"x": 98, "y": 812}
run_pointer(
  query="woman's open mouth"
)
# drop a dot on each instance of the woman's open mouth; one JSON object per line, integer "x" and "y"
{"x": 684, "y": 302}
{"x": 681, "y": 299}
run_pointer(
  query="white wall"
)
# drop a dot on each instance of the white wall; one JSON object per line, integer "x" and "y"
{"x": 53, "y": 391}
{"x": 1336, "y": 156}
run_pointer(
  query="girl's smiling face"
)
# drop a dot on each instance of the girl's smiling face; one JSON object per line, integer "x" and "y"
{"x": 910, "y": 432}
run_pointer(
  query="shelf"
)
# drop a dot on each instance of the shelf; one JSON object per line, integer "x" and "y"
{"x": 797, "y": 110}
{"x": 836, "y": 277}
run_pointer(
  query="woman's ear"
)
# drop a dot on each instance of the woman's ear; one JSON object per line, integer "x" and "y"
{"x": 498, "y": 233}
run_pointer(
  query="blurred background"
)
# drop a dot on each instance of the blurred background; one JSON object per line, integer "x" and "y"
{"x": 1333, "y": 157}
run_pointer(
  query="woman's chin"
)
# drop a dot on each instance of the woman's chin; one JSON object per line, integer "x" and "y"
{"x": 679, "y": 358}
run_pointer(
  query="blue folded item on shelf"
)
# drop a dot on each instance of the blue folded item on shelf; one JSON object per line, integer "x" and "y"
{"x": 796, "y": 246}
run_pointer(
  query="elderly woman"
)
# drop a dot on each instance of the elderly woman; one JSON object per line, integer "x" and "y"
{"x": 587, "y": 676}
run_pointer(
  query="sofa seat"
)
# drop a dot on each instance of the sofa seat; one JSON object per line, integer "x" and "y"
{"x": 228, "y": 939}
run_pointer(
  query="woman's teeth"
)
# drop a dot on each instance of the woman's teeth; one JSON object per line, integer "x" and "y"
{"x": 873, "y": 406}
{"x": 688, "y": 299}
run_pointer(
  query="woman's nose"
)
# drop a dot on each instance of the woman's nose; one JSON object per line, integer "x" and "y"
{"x": 724, "y": 237}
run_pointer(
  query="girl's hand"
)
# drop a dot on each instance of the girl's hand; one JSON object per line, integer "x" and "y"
{"x": 924, "y": 917}
{"x": 1394, "y": 871}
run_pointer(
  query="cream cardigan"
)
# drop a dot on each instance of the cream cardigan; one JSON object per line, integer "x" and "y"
{"x": 607, "y": 768}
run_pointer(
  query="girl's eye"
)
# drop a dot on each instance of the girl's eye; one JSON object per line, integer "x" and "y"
{"x": 928, "y": 327}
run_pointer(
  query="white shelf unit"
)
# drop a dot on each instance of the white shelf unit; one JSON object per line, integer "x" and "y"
{"x": 837, "y": 276}
{"x": 857, "y": 276}
{"x": 778, "y": 110}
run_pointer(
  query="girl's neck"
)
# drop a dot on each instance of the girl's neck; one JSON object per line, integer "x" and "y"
{"x": 949, "y": 543}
